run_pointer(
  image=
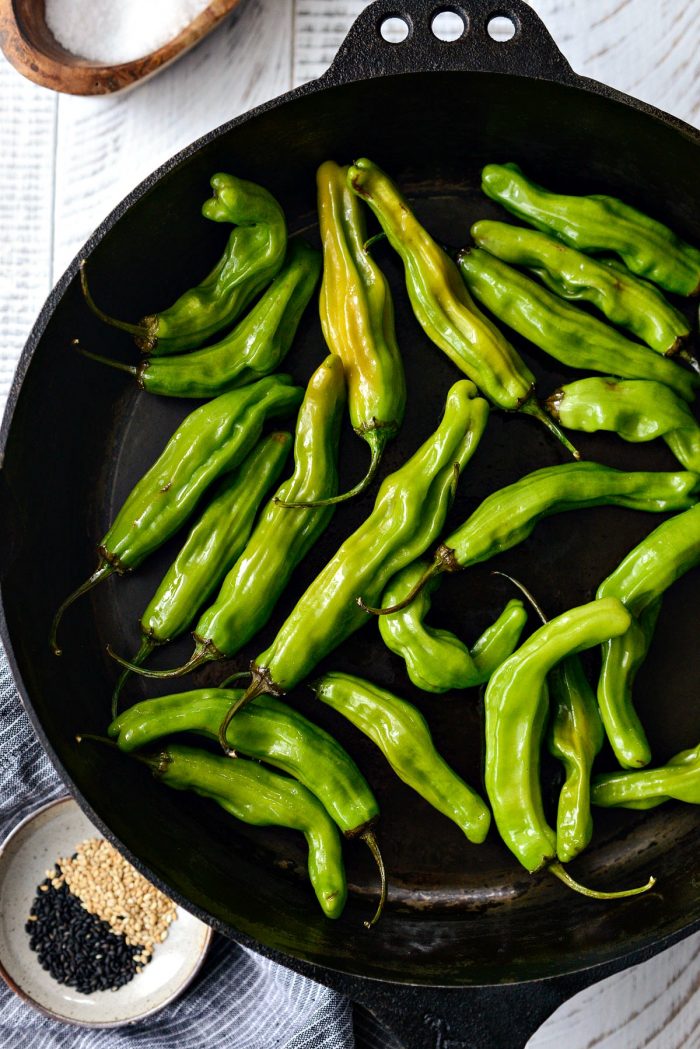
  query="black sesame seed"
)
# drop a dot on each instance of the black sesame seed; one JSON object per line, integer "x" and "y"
{"x": 77, "y": 948}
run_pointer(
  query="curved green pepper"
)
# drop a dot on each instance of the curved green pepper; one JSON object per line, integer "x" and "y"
{"x": 211, "y": 548}
{"x": 599, "y": 223}
{"x": 436, "y": 660}
{"x": 402, "y": 734}
{"x": 574, "y": 737}
{"x": 640, "y": 581}
{"x": 636, "y": 409}
{"x": 281, "y": 538}
{"x": 254, "y": 254}
{"x": 210, "y": 441}
{"x": 442, "y": 304}
{"x": 507, "y": 517}
{"x": 515, "y": 706}
{"x": 268, "y": 730}
{"x": 258, "y": 796}
{"x": 357, "y": 318}
{"x": 563, "y": 331}
{"x": 256, "y": 346}
{"x": 625, "y": 300}
{"x": 408, "y": 513}
{"x": 678, "y": 780}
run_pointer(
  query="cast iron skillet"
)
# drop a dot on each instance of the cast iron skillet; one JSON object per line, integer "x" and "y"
{"x": 472, "y": 951}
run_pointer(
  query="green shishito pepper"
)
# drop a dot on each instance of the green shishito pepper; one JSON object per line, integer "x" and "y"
{"x": 282, "y": 537}
{"x": 436, "y": 660}
{"x": 409, "y": 511}
{"x": 211, "y": 548}
{"x": 256, "y": 346}
{"x": 564, "y": 331}
{"x": 253, "y": 256}
{"x": 262, "y": 798}
{"x": 515, "y": 705}
{"x": 507, "y": 517}
{"x": 625, "y": 300}
{"x": 636, "y": 409}
{"x": 442, "y": 304}
{"x": 574, "y": 738}
{"x": 599, "y": 223}
{"x": 402, "y": 734}
{"x": 357, "y": 318}
{"x": 678, "y": 780}
{"x": 640, "y": 581}
{"x": 210, "y": 441}
{"x": 268, "y": 730}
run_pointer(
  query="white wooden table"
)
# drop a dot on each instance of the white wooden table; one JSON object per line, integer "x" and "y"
{"x": 65, "y": 162}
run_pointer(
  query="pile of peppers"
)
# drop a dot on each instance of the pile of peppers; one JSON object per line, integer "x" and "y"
{"x": 223, "y": 341}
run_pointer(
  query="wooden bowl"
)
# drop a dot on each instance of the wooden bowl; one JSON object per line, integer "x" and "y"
{"x": 29, "y": 45}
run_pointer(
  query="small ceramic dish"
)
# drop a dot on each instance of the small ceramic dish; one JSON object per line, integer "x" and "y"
{"x": 27, "y": 853}
{"x": 27, "y": 42}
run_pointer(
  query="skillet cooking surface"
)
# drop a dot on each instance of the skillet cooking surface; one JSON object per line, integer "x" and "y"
{"x": 459, "y": 914}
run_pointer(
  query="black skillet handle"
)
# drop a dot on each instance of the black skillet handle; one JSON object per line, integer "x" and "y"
{"x": 502, "y": 1017}
{"x": 531, "y": 51}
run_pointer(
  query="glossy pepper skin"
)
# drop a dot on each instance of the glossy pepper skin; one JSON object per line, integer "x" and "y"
{"x": 640, "y": 581}
{"x": 210, "y": 441}
{"x": 515, "y": 705}
{"x": 599, "y": 223}
{"x": 440, "y": 301}
{"x": 436, "y": 660}
{"x": 282, "y": 537}
{"x": 575, "y": 737}
{"x": 268, "y": 730}
{"x": 678, "y": 780}
{"x": 636, "y": 409}
{"x": 402, "y": 734}
{"x": 624, "y": 299}
{"x": 408, "y": 513}
{"x": 211, "y": 547}
{"x": 564, "y": 331}
{"x": 253, "y": 256}
{"x": 508, "y": 516}
{"x": 254, "y": 348}
{"x": 258, "y": 796}
{"x": 357, "y": 318}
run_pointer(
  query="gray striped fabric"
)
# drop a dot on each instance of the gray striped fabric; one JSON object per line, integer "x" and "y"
{"x": 239, "y": 1000}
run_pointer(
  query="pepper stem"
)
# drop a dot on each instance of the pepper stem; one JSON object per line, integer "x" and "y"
{"x": 690, "y": 359}
{"x": 157, "y": 763}
{"x": 261, "y": 684}
{"x": 139, "y": 331}
{"x": 525, "y": 592}
{"x": 534, "y": 408}
{"x": 435, "y": 569}
{"x": 558, "y": 871}
{"x": 234, "y": 677}
{"x": 370, "y": 841}
{"x": 373, "y": 240}
{"x": 103, "y": 570}
{"x": 377, "y": 439}
{"x": 145, "y": 649}
{"x": 204, "y": 652}
{"x": 129, "y": 368}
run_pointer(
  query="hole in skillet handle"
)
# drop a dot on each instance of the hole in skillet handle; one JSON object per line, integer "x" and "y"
{"x": 394, "y": 29}
{"x": 449, "y": 24}
{"x": 502, "y": 27}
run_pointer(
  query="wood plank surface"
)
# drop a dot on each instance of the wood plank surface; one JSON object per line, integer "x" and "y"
{"x": 67, "y": 161}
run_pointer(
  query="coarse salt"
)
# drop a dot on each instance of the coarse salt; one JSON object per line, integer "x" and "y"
{"x": 116, "y": 31}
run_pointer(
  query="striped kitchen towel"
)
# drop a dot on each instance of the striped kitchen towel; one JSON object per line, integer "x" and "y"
{"x": 239, "y": 1000}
